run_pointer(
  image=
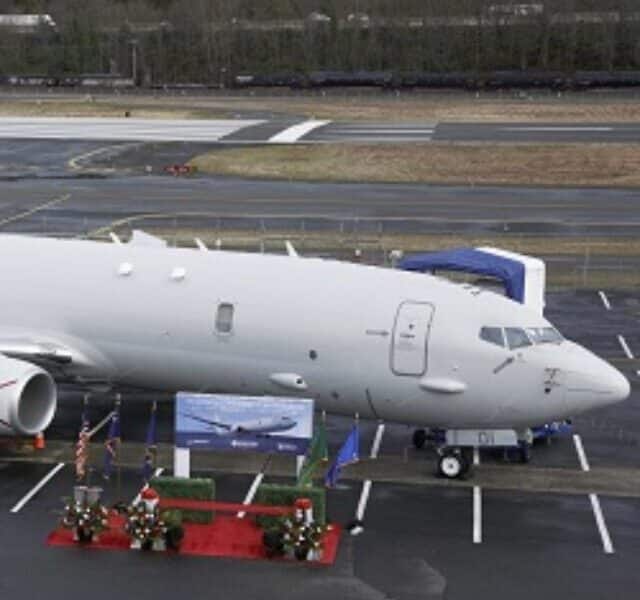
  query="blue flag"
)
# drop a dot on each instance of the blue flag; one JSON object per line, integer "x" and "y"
{"x": 111, "y": 445}
{"x": 349, "y": 453}
{"x": 151, "y": 447}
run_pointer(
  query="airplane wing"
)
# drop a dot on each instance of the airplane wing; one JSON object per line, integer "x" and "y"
{"x": 65, "y": 363}
{"x": 207, "y": 421}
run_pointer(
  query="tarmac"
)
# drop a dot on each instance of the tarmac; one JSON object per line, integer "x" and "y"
{"x": 566, "y": 525}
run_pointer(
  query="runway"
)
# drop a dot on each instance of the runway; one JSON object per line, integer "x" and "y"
{"x": 292, "y": 130}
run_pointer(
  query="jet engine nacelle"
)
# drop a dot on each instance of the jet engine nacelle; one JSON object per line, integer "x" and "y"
{"x": 28, "y": 398}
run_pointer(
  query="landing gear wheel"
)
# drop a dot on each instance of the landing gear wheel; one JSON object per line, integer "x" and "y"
{"x": 419, "y": 438}
{"x": 452, "y": 465}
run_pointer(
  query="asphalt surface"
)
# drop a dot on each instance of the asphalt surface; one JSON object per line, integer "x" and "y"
{"x": 278, "y": 129}
{"x": 418, "y": 540}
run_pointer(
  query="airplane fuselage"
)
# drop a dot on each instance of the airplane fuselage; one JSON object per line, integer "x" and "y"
{"x": 381, "y": 343}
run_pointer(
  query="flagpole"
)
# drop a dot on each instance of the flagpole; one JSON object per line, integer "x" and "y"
{"x": 87, "y": 475}
{"x": 117, "y": 456}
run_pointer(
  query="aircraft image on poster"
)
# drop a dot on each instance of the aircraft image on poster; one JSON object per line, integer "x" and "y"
{"x": 263, "y": 426}
{"x": 260, "y": 423}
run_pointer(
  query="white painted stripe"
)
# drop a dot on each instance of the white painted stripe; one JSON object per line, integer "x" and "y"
{"x": 48, "y": 477}
{"x": 582, "y": 457}
{"x": 607, "y": 546}
{"x": 292, "y": 134}
{"x": 367, "y": 484}
{"x": 377, "y": 441}
{"x": 156, "y": 473}
{"x": 364, "y": 498}
{"x": 625, "y": 346}
{"x": 251, "y": 493}
{"x": 380, "y": 131}
{"x": 561, "y": 129}
{"x": 477, "y": 515}
{"x": 32, "y": 211}
{"x": 121, "y": 129}
{"x": 476, "y": 455}
{"x": 100, "y": 425}
{"x": 605, "y": 300}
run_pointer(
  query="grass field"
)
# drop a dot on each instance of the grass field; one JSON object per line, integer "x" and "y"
{"x": 460, "y": 107}
{"x": 469, "y": 163}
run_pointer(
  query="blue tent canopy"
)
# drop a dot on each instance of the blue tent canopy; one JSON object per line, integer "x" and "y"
{"x": 469, "y": 260}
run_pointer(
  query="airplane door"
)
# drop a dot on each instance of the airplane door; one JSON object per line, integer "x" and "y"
{"x": 410, "y": 338}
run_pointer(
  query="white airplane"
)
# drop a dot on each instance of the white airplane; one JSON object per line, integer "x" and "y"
{"x": 386, "y": 344}
{"x": 263, "y": 426}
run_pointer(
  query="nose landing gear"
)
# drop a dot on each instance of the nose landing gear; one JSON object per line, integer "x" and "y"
{"x": 452, "y": 463}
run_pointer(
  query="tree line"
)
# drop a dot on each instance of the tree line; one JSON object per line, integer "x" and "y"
{"x": 213, "y": 41}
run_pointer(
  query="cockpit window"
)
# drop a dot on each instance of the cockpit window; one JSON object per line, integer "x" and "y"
{"x": 493, "y": 335}
{"x": 544, "y": 335}
{"x": 516, "y": 338}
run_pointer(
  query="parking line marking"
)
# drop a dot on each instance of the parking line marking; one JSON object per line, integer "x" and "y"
{"x": 292, "y": 134}
{"x": 251, "y": 493}
{"x": 477, "y": 514}
{"x": 602, "y": 526}
{"x": 582, "y": 457}
{"x": 156, "y": 473}
{"x": 377, "y": 441}
{"x": 476, "y": 456}
{"x": 364, "y": 498}
{"x": 48, "y": 477}
{"x": 625, "y": 347}
{"x": 605, "y": 300}
{"x": 367, "y": 484}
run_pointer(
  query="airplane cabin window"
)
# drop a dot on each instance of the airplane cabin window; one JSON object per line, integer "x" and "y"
{"x": 493, "y": 335}
{"x": 224, "y": 318}
{"x": 516, "y": 337}
{"x": 544, "y": 335}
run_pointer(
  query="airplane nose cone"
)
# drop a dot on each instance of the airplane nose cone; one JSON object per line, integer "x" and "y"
{"x": 617, "y": 385}
{"x": 593, "y": 382}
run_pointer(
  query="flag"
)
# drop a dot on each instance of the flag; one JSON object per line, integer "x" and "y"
{"x": 111, "y": 445}
{"x": 349, "y": 453}
{"x": 151, "y": 447}
{"x": 82, "y": 445}
{"x": 318, "y": 453}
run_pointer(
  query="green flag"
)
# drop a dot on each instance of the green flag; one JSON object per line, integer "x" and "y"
{"x": 318, "y": 453}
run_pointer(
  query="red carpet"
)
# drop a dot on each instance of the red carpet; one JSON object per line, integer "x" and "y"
{"x": 227, "y": 536}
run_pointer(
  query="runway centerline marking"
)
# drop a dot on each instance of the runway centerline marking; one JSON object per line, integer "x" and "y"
{"x": 34, "y": 490}
{"x": 292, "y": 134}
{"x": 604, "y": 299}
{"x": 367, "y": 484}
{"x": 32, "y": 211}
{"x": 560, "y": 129}
{"x": 625, "y": 347}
